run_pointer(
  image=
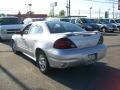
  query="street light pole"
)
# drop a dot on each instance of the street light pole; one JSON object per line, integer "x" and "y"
{"x": 30, "y": 7}
{"x": 53, "y": 7}
{"x": 26, "y": 7}
{"x": 90, "y": 11}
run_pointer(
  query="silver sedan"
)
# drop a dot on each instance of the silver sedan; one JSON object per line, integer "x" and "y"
{"x": 58, "y": 44}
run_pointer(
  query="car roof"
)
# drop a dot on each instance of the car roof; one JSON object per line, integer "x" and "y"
{"x": 43, "y": 22}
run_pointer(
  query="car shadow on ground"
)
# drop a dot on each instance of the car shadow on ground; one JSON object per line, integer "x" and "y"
{"x": 6, "y": 42}
{"x": 15, "y": 79}
{"x": 97, "y": 76}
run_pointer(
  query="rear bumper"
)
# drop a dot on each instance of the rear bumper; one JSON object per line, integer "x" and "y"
{"x": 75, "y": 57}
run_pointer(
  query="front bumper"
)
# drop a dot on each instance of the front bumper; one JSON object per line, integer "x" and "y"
{"x": 6, "y": 36}
{"x": 74, "y": 57}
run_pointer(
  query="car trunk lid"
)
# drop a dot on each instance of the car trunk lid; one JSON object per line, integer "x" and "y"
{"x": 85, "y": 39}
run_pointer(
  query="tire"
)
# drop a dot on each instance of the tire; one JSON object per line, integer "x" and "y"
{"x": 103, "y": 30}
{"x": 14, "y": 47}
{"x": 42, "y": 62}
{"x": 1, "y": 39}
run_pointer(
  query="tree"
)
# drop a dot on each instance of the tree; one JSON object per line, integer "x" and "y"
{"x": 62, "y": 13}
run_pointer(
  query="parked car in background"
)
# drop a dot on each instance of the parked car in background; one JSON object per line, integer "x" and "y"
{"x": 64, "y": 19}
{"x": 59, "y": 44}
{"x": 117, "y": 21}
{"x": 9, "y": 25}
{"x": 106, "y": 26}
{"x": 85, "y": 23}
{"x": 30, "y": 20}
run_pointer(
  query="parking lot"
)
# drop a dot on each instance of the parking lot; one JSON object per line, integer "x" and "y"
{"x": 17, "y": 72}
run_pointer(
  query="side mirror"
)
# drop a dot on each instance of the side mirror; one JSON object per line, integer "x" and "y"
{"x": 20, "y": 32}
{"x": 25, "y": 32}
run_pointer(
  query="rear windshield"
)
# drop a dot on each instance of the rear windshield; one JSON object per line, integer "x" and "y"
{"x": 9, "y": 21}
{"x": 62, "y": 27}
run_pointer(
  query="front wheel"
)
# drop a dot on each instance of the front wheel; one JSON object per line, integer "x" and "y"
{"x": 42, "y": 62}
{"x": 103, "y": 30}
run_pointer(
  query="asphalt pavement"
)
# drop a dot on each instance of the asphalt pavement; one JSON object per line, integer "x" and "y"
{"x": 18, "y": 72}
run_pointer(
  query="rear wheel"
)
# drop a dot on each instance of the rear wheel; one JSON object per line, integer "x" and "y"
{"x": 14, "y": 47}
{"x": 42, "y": 62}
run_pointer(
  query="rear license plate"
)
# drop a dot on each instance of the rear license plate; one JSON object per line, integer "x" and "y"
{"x": 92, "y": 57}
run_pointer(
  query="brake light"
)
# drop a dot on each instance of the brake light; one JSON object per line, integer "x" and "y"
{"x": 64, "y": 43}
{"x": 101, "y": 40}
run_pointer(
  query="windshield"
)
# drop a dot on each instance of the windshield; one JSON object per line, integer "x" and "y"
{"x": 104, "y": 21}
{"x": 85, "y": 20}
{"x": 9, "y": 21}
{"x": 62, "y": 27}
{"x": 117, "y": 20}
{"x": 94, "y": 20}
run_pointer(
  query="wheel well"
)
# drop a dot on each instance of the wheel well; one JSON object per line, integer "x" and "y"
{"x": 36, "y": 53}
{"x": 38, "y": 50}
{"x": 103, "y": 27}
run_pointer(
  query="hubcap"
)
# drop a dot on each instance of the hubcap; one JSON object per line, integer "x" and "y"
{"x": 42, "y": 62}
{"x": 103, "y": 30}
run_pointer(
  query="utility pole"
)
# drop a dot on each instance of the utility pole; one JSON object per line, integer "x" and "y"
{"x": 90, "y": 12}
{"x": 113, "y": 9}
{"x": 69, "y": 7}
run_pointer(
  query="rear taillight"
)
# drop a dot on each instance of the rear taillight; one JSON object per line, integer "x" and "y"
{"x": 64, "y": 43}
{"x": 101, "y": 40}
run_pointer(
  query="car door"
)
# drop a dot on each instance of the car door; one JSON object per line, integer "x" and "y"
{"x": 21, "y": 41}
{"x": 32, "y": 38}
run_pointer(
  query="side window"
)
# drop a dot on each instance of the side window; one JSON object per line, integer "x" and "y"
{"x": 36, "y": 30}
{"x": 26, "y": 29}
{"x": 112, "y": 21}
{"x": 78, "y": 21}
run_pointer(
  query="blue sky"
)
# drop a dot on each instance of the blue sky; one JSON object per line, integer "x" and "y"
{"x": 81, "y": 7}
